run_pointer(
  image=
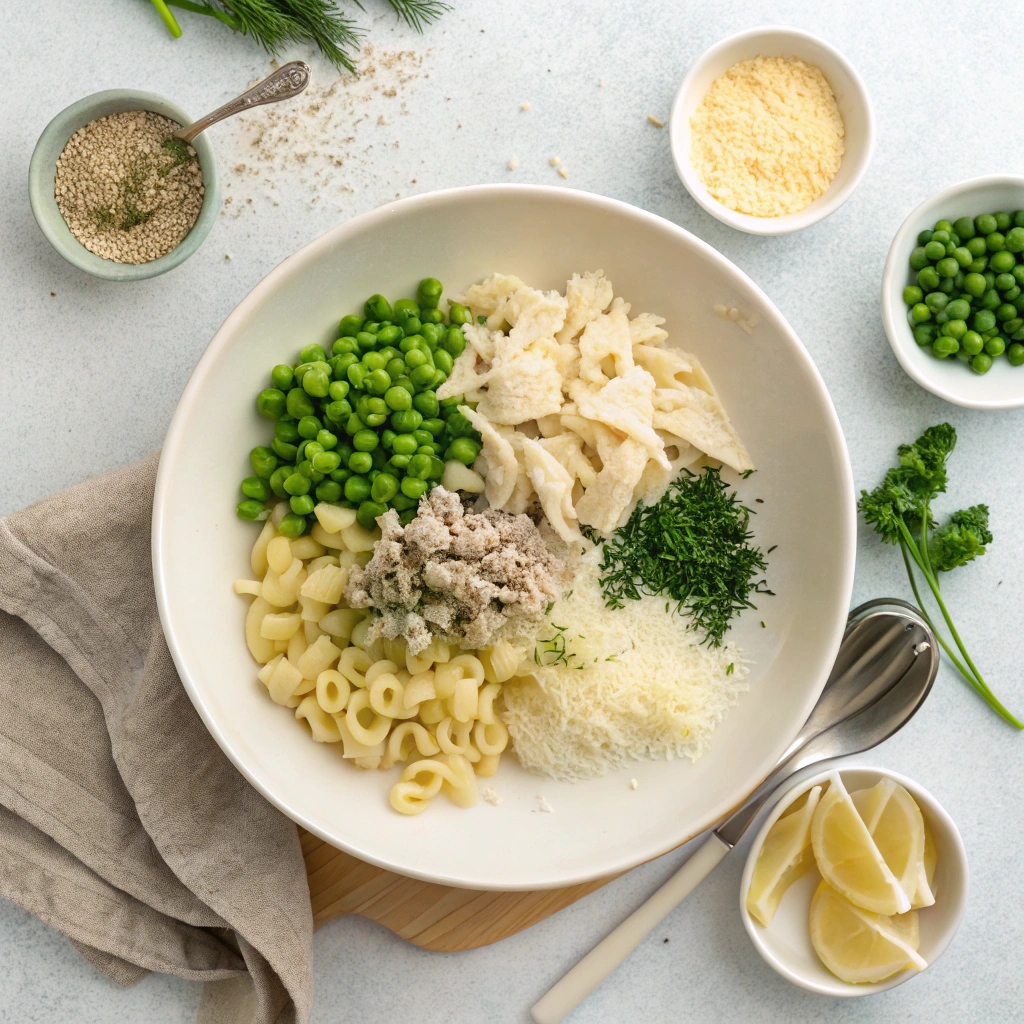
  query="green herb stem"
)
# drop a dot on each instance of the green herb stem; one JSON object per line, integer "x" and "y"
{"x": 168, "y": 18}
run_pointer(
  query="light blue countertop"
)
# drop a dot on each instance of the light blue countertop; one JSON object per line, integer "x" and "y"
{"x": 91, "y": 372}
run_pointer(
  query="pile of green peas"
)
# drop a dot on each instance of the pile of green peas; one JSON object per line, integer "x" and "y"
{"x": 363, "y": 427}
{"x": 967, "y": 300}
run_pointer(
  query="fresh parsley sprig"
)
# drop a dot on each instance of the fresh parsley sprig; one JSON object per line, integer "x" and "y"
{"x": 899, "y": 509}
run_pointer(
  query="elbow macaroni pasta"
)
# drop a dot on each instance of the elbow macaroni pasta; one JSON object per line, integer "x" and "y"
{"x": 435, "y": 712}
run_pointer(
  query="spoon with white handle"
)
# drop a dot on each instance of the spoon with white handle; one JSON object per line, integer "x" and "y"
{"x": 283, "y": 84}
{"x": 883, "y": 672}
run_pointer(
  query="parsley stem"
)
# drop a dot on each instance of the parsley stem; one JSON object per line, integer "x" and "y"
{"x": 168, "y": 18}
{"x": 975, "y": 678}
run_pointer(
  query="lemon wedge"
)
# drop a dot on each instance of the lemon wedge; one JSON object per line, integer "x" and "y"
{"x": 925, "y": 895}
{"x": 784, "y": 856}
{"x": 897, "y": 826}
{"x": 848, "y": 858}
{"x": 858, "y": 946}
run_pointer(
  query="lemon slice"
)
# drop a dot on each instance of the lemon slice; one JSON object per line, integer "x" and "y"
{"x": 848, "y": 858}
{"x": 897, "y": 826}
{"x": 858, "y": 946}
{"x": 784, "y": 856}
{"x": 925, "y": 895}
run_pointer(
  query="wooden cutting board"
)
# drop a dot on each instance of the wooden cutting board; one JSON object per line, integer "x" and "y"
{"x": 436, "y": 917}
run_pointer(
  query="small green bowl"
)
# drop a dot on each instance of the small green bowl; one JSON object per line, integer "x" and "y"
{"x": 43, "y": 168}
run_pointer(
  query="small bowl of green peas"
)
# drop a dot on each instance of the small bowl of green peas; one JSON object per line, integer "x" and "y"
{"x": 953, "y": 293}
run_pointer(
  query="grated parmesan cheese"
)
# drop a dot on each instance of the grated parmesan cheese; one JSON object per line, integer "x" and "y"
{"x": 767, "y": 139}
{"x": 633, "y": 684}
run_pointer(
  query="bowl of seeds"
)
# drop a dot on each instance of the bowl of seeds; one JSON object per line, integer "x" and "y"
{"x": 115, "y": 195}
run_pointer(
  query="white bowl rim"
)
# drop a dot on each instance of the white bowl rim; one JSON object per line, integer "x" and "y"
{"x": 309, "y": 252}
{"x": 898, "y": 333}
{"x": 840, "y": 988}
{"x": 810, "y": 214}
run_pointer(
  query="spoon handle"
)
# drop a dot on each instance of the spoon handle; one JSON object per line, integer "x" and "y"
{"x": 615, "y": 947}
{"x": 283, "y": 84}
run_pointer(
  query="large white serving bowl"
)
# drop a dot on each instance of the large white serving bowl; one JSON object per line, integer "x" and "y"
{"x": 1003, "y": 386}
{"x": 770, "y": 388}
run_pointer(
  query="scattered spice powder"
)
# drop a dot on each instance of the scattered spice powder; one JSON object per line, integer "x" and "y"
{"x": 126, "y": 190}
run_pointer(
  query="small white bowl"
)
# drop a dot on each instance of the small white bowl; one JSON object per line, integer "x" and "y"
{"x": 851, "y": 97}
{"x": 786, "y": 943}
{"x": 1003, "y": 386}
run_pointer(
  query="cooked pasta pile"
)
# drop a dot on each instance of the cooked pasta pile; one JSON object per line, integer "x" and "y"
{"x": 435, "y": 711}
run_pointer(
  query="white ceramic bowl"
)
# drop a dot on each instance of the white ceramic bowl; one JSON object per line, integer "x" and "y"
{"x": 786, "y": 943}
{"x": 776, "y": 399}
{"x": 1003, "y": 386}
{"x": 851, "y": 98}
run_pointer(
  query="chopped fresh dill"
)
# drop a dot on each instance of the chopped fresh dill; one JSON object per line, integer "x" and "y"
{"x": 763, "y": 626}
{"x": 771, "y": 549}
{"x": 746, "y": 473}
{"x": 729, "y": 668}
{"x": 692, "y": 546}
{"x": 481, "y": 319}
{"x": 554, "y": 650}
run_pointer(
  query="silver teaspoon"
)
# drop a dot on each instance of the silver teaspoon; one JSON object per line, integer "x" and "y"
{"x": 884, "y": 670}
{"x": 283, "y": 84}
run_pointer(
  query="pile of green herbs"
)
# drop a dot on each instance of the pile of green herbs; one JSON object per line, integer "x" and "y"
{"x": 692, "y": 546}
{"x": 275, "y": 24}
{"x": 899, "y": 509}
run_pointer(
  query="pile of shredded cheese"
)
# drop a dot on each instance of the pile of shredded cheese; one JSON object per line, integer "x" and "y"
{"x": 767, "y": 139}
{"x": 630, "y": 684}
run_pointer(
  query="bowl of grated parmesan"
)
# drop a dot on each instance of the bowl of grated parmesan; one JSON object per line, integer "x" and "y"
{"x": 772, "y": 130}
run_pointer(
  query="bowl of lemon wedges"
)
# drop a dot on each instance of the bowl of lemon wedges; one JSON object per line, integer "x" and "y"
{"x": 856, "y": 882}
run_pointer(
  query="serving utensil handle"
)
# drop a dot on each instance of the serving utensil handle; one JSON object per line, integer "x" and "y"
{"x": 579, "y": 982}
{"x": 283, "y": 84}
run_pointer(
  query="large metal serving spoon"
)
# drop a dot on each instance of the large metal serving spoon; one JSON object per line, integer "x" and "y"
{"x": 283, "y": 84}
{"x": 883, "y": 672}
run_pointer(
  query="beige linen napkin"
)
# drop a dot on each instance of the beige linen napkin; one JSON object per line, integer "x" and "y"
{"x": 121, "y": 821}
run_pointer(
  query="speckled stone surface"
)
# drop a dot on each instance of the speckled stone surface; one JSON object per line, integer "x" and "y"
{"x": 90, "y": 372}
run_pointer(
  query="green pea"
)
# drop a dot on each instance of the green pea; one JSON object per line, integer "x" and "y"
{"x": 281, "y": 376}
{"x": 959, "y": 309}
{"x": 912, "y": 295}
{"x": 296, "y": 483}
{"x": 1013, "y": 326}
{"x": 433, "y": 426}
{"x": 423, "y": 376}
{"x": 414, "y": 487}
{"x": 935, "y": 250}
{"x": 426, "y": 403}
{"x": 428, "y": 293}
{"x": 344, "y": 347}
{"x": 432, "y": 316}
{"x": 936, "y": 301}
{"x": 419, "y": 466}
{"x": 365, "y": 440}
{"x": 312, "y": 353}
{"x": 360, "y": 462}
{"x": 301, "y": 504}
{"x": 458, "y": 314}
{"x": 436, "y": 468}
{"x": 464, "y": 450}
{"x": 400, "y": 462}
{"x": 389, "y": 335}
{"x": 372, "y": 327}
{"x": 312, "y": 450}
{"x": 918, "y": 260}
{"x": 984, "y": 320}
{"x": 367, "y": 513}
{"x": 271, "y": 403}
{"x": 328, "y": 490}
{"x": 990, "y": 300}
{"x": 326, "y": 462}
{"x": 1003, "y": 221}
{"x": 374, "y": 361}
{"x": 972, "y": 343}
{"x": 919, "y": 313}
{"x": 985, "y": 224}
{"x": 928, "y": 279}
{"x": 353, "y": 425}
{"x": 366, "y": 341}
{"x": 976, "y": 247}
{"x": 1015, "y": 354}
{"x": 341, "y": 474}
{"x": 376, "y": 419}
{"x": 395, "y": 368}
{"x": 432, "y": 333}
{"x": 1004, "y": 282}
{"x": 964, "y": 227}
{"x": 942, "y": 225}
{"x": 299, "y": 404}
{"x": 945, "y": 347}
{"x": 357, "y": 488}
{"x": 404, "y": 310}
{"x": 283, "y": 449}
{"x": 995, "y": 242}
{"x": 1005, "y": 312}
{"x": 947, "y": 267}
{"x": 954, "y": 329}
{"x": 377, "y": 382}
{"x": 924, "y": 237}
{"x": 263, "y": 461}
{"x": 963, "y": 256}
{"x": 254, "y": 487}
{"x": 404, "y": 444}
{"x": 1015, "y": 239}
{"x": 981, "y": 363}
{"x": 308, "y": 427}
{"x": 1011, "y": 293}
{"x": 252, "y": 509}
{"x": 339, "y": 369}
{"x": 338, "y": 412}
{"x": 1002, "y": 262}
{"x": 339, "y": 390}
{"x": 974, "y": 284}
{"x": 384, "y": 487}
{"x": 455, "y": 341}
{"x": 443, "y": 361}
{"x": 398, "y": 399}
{"x": 407, "y": 421}
{"x": 924, "y": 334}
{"x": 378, "y": 308}
{"x": 995, "y": 346}
{"x": 286, "y": 430}
{"x": 277, "y": 479}
{"x": 422, "y": 435}
{"x": 356, "y": 374}
{"x": 412, "y": 327}
{"x": 350, "y": 325}
{"x": 292, "y": 525}
{"x": 414, "y": 359}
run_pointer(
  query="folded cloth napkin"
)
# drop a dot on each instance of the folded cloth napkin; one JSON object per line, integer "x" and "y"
{"x": 121, "y": 821}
